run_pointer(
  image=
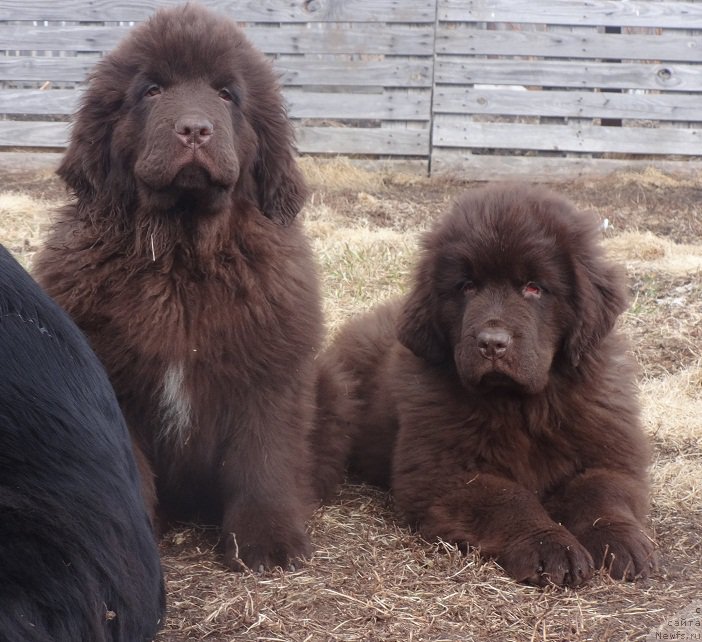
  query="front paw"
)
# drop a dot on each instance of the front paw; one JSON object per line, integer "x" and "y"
{"x": 265, "y": 547}
{"x": 622, "y": 549}
{"x": 548, "y": 558}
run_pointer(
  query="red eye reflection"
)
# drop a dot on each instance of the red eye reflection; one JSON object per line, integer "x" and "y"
{"x": 225, "y": 94}
{"x": 531, "y": 290}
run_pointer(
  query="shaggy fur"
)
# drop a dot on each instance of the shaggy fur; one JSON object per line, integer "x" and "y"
{"x": 181, "y": 260}
{"x": 78, "y": 560}
{"x": 496, "y": 399}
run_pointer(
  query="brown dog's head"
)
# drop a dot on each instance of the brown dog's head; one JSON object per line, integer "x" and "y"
{"x": 509, "y": 283}
{"x": 184, "y": 109}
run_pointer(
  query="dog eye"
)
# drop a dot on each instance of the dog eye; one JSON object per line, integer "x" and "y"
{"x": 153, "y": 90}
{"x": 532, "y": 290}
{"x": 469, "y": 287}
{"x": 225, "y": 94}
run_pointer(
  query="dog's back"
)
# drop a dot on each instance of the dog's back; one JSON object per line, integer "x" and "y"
{"x": 78, "y": 561}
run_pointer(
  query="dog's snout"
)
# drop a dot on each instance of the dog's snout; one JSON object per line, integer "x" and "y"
{"x": 493, "y": 342}
{"x": 194, "y": 130}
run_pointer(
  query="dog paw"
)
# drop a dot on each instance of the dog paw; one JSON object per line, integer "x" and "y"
{"x": 258, "y": 554}
{"x": 548, "y": 558}
{"x": 622, "y": 549}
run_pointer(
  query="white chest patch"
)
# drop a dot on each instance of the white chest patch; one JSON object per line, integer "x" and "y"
{"x": 176, "y": 411}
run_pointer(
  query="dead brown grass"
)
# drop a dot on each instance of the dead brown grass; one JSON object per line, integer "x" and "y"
{"x": 370, "y": 579}
{"x": 22, "y": 218}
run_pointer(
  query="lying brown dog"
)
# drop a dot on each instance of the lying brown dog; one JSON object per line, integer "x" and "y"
{"x": 496, "y": 399}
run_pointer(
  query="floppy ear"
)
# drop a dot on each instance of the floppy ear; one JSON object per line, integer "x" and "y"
{"x": 417, "y": 326}
{"x": 280, "y": 186}
{"x": 600, "y": 297}
{"x": 86, "y": 162}
{"x": 88, "y": 166}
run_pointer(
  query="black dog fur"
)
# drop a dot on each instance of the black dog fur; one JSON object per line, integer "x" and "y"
{"x": 78, "y": 560}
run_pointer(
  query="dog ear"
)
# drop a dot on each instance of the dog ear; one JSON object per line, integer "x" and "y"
{"x": 600, "y": 297}
{"x": 85, "y": 164}
{"x": 88, "y": 166}
{"x": 280, "y": 185}
{"x": 417, "y": 326}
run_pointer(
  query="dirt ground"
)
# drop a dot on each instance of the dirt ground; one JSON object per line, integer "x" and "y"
{"x": 370, "y": 578}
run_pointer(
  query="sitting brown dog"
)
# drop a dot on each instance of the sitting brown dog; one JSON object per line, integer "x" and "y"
{"x": 496, "y": 400}
{"x": 181, "y": 260}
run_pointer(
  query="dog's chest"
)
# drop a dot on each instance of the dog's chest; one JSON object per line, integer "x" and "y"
{"x": 175, "y": 406}
{"x": 531, "y": 448}
{"x": 187, "y": 350}
{"x": 207, "y": 349}
{"x": 197, "y": 394}
{"x": 199, "y": 363}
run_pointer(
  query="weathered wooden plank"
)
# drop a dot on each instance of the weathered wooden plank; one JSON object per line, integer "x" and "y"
{"x": 371, "y": 39}
{"x": 552, "y": 73}
{"x": 242, "y": 10}
{"x": 18, "y": 162}
{"x": 42, "y": 69}
{"x": 60, "y": 38}
{"x": 15, "y": 133}
{"x": 644, "y": 13}
{"x": 368, "y": 39}
{"x": 387, "y": 105}
{"x": 574, "y": 103}
{"x": 36, "y": 102}
{"x": 393, "y": 72}
{"x": 414, "y": 105}
{"x": 318, "y": 140}
{"x": 352, "y": 140}
{"x": 470, "y": 40}
{"x": 453, "y": 131}
{"x": 483, "y": 167}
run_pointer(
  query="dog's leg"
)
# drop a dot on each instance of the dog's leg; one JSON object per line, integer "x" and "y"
{"x": 605, "y": 511}
{"x": 502, "y": 519}
{"x": 265, "y": 480}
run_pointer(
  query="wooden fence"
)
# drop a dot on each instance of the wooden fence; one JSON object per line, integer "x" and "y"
{"x": 490, "y": 88}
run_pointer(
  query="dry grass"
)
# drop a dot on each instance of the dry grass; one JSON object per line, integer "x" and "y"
{"x": 341, "y": 173}
{"x": 22, "y": 218}
{"x": 645, "y": 250}
{"x": 370, "y": 578}
{"x": 652, "y": 178}
{"x": 346, "y": 174}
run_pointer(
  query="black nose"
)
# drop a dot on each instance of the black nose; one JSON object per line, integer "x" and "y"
{"x": 194, "y": 130}
{"x": 493, "y": 342}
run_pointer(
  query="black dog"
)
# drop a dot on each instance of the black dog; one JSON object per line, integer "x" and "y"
{"x": 78, "y": 560}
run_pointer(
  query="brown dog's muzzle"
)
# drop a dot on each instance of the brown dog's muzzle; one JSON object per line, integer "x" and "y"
{"x": 493, "y": 343}
{"x": 194, "y": 130}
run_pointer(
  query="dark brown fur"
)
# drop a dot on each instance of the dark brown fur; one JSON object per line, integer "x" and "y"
{"x": 496, "y": 399}
{"x": 181, "y": 261}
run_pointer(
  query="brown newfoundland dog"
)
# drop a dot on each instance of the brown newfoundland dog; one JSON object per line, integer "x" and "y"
{"x": 496, "y": 400}
{"x": 181, "y": 260}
